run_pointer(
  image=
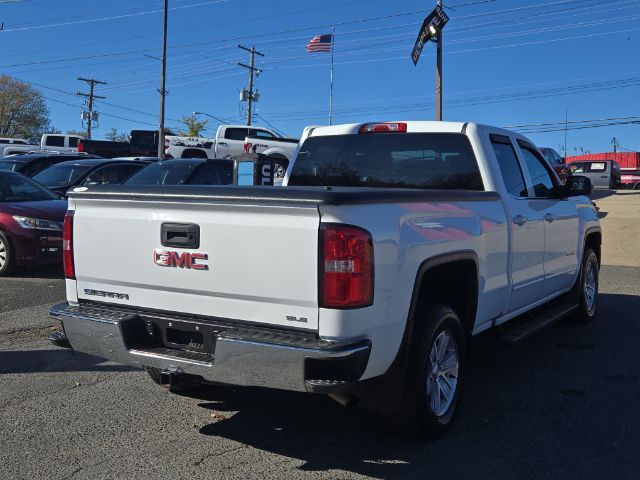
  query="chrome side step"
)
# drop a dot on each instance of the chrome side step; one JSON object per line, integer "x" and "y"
{"x": 518, "y": 330}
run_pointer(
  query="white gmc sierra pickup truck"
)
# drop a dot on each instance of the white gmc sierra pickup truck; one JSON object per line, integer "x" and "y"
{"x": 364, "y": 277}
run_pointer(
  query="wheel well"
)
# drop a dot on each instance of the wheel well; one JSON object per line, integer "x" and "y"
{"x": 455, "y": 284}
{"x": 193, "y": 153}
{"x": 594, "y": 240}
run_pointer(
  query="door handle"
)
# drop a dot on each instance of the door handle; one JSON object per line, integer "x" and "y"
{"x": 223, "y": 143}
{"x": 549, "y": 217}
{"x": 520, "y": 220}
{"x": 604, "y": 176}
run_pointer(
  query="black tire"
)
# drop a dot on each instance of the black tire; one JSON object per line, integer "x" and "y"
{"x": 586, "y": 309}
{"x": 416, "y": 416}
{"x": 7, "y": 256}
{"x": 155, "y": 375}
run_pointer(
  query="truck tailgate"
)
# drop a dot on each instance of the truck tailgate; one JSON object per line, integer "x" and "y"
{"x": 261, "y": 260}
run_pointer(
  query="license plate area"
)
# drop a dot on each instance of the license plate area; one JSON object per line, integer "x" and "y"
{"x": 183, "y": 335}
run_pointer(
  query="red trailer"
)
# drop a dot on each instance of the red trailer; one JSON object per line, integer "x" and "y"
{"x": 629, "y": 165}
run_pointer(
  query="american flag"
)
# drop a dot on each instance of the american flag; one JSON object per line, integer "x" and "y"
{"x": 320, "y": 43}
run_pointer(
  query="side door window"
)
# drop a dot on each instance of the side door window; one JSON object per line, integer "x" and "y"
{"x": 73, "y": 142}
{"x": 103, "y": 176}
{"x": 126, "y": 170}
{"x": 262, "y": 134}
{"x": 509, "y": 166}
{"x": 539, "y": 172}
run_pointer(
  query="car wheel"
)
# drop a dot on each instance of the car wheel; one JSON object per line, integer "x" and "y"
{"x": 435, "y": 373}
{"x": 7, "y": 256}
{"x": 586, "y": 289}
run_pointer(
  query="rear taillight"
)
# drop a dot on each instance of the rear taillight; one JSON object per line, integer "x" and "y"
{"x": 67, "y": 246}
{"x": 80, "y": 146}
{"x": 394, "y": 127}
{"x": 346, "y": 266}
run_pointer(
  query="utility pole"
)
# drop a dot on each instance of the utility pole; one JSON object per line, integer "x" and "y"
{"x": 92, "y": 83}
{"x": 439, "y": 73}
{"x": 251, "y": 68}
{"x": 614, "y": 142}
{"x": 163, "y": 78}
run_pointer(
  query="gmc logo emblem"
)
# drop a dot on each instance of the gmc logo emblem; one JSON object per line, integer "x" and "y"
{"x": 170, "y": 258}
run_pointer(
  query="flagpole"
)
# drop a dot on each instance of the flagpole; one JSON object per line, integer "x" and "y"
{"x": 333, "y": 40}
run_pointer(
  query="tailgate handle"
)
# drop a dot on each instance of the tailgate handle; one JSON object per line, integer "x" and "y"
{"x": 180, "y": 235}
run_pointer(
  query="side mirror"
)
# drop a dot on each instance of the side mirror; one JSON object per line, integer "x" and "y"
{"x": 577, "y": 185}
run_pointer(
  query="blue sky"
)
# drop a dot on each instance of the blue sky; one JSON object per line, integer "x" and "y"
{"x": 515, "y": 62}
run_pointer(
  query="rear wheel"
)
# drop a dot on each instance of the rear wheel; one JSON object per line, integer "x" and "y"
{"x": 7, "y": 256}
{"x": 435, "y": 373}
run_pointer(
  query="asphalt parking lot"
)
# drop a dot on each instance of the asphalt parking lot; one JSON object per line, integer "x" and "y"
{"x": 562, "y": 405}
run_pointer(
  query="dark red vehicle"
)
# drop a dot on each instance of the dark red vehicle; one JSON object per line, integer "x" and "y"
{"x": 557, "y": 162}
{"x": 31, "y": 220}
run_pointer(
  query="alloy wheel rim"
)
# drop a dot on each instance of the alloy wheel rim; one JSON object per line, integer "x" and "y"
{"x": 590, "y": 286}
{"x": 3, "y": 254}
{"x": 442, "y": 376}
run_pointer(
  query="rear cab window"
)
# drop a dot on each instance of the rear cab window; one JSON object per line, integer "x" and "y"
{"x": 236, "y": 133}
{"x": 391, "y": 160}
{"x": 54, "y": 141}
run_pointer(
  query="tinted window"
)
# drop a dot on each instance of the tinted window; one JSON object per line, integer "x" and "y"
{"x": 213, "y": 173}
{"x": 576, "y": 167}
{"x": 9, "y": 165}
{"x": 125, "y": 171}
{"x": 236, "y": 133}
{"x": 540, "y": 177}
{"x": 73, "y": 142}
{"x": 36, "y": 166}
{"x": 62, "y": 174}
{"x": 164, "y": 173}
{"x": 262, "y": 134}
{"x": 510, "y": 169}
{"x": 17, "y": 188}
{"x": 103, "y": 176}
{"x": 405, "y": 160}
{"x": 55, "y": 141}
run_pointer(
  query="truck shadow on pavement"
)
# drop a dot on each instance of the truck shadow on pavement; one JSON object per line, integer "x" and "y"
{"x": 562, "y": 405}
{"x": 58, "y": 360}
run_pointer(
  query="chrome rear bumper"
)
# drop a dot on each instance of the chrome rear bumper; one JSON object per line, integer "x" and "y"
{"x": 238, "y": 355}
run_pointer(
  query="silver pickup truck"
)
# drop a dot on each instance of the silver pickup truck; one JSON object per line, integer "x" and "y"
{"x": 364, "y": 277}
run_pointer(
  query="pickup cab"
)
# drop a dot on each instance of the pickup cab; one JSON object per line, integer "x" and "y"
{"x": 396, "y": 244}
{"x": 50, "y": 142}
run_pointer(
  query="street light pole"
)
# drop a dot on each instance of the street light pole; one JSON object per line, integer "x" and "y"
{"x": 439, "y": 74}
{"x": 163, "y": 77}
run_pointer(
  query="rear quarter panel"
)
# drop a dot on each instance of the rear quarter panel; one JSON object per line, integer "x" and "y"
{"x": 404, "y": 237}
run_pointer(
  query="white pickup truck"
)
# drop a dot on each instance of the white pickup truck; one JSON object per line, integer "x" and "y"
{"x": 397, "y": 243}
{"x": 50, "y": 142}
{"x": 230, "y": 141}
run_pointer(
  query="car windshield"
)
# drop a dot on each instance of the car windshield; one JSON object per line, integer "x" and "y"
{"x": 62, "y": 174}
{"x": 164, "y": 173}
{"x": 17, "y": 188}
{"x": 407, "y": 160}
{"x": 10, "y": 165}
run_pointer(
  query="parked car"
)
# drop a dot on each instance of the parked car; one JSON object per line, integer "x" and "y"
{"x": 50, "y": 142}
{"x": 603, "y": 173}
{"x": 185, "y": 171}
{"x": 629, "y": 165}
{"x": 97, "y": 171}
{"x": 557, "y": 162}
{"x": 34, "y": 163}
{"x": 31, "y": 219}
{"x": 365, "y": 277}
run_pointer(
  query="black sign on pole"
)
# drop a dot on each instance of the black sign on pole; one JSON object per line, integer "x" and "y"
{"x": 437, "y": 19}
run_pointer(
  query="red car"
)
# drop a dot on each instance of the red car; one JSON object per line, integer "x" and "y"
{"x": 557, "y": 162}
{"x": 31, "y": 220}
